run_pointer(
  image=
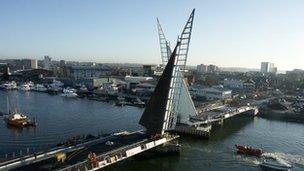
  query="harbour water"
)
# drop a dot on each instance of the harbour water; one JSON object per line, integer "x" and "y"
{"x": 60, "y": 118}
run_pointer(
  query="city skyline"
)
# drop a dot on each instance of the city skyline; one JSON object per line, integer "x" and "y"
{"x": 241, "y": 34}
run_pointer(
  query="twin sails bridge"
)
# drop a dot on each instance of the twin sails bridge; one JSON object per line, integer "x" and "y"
{"x": 159, "y": 120}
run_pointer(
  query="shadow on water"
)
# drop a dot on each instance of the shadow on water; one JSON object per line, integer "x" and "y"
{"x": 147, "y": 163}
{"x": 230, "y": 127}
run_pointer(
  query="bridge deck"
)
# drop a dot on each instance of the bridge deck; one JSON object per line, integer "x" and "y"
{"x": 119, "y": 154}
{"x": 122, "y": 147}
{"x": 222, "y": 113}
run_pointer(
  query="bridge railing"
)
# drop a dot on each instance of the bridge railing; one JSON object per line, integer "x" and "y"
{"x": 110, "y": 157}
{"x": 85, "y": 165}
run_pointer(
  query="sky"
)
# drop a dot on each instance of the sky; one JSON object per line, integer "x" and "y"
{"x": 227, "y": 33}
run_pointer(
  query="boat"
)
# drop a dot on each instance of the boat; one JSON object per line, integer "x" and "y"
{"x": 137, "y": 102}
{"x": 271, "y": 163}
{"x": 17, "y": 119}
{"x": 40, "y": 88}
{"x": 25, "y": 87}
{"x": 12, "y": 85}
{"x": 67, "y": 92}
{"x": 120, "y": 101}
{"x": 243, "y": 149}
{"x": 83, "y": 88}
{"x": 55, "y": 87}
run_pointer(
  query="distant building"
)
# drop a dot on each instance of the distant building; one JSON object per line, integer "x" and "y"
{"x": 234, "y": 83}
{"x": 267, "y": 67}
{"x": 147, "y": 70}
{"x": 249, "y": 85}
{"x": 94, "y": 71}
{"x": 47, "y": 63}
{"x": 62, "y": 69}
{"x": 213, "y": 68}
{"x": 23, "y": 64}
{"x": 202, "y": 68}
{"x": 92, "y": 83}
{"x": 34, "y": 63}
{"x": 217, "y": 93}
{"x": 210, "y": 93}
{"x": 240, "y": 85}
{"x": 4, "y": 69}
{"x": 206, "y": 68}
{"x": 137, "y": 79}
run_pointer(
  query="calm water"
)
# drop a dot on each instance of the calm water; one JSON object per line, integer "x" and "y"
{"x": 60, "y": 118}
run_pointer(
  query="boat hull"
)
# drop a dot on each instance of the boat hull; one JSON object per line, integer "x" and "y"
{"x": 248, "y": 150}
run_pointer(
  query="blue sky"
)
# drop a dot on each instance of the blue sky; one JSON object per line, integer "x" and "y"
{"x": 239, "y": 33}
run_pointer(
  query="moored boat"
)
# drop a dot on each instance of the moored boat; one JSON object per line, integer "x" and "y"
{"x": 17, "y": 119}
{"x": 12, "y": 85}
{"x": 68, "y": 93}
{"x": 25, "y": 87}
{"x": 243, "y": 149}
{"x": 40, "y": 88}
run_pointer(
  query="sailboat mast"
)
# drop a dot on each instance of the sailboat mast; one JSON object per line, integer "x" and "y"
{"x": 7, "y": 105}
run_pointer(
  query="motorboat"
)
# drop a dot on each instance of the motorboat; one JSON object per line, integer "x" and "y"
{"x": 275, "y": 164}
{"x": 243, "y": 149}
{"x": 67, "y": 92}
{"x": 55, "y": 87}
{"x": 40, "y": 88}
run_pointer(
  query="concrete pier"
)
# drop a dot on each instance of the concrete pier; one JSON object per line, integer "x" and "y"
{"x": 197, "y": 131}
{"x": 201, "y": 125}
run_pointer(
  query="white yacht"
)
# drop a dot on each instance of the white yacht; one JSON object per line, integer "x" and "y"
{"x": 83, "y": 88}
{"x": 56, "y": 84}
{"x": 68, "y": 92}
{"x": 55, "y": 87}
{"x": 25, "y": 87}
{"x": 40, "y": 88}
{"x": 12, "y": 85}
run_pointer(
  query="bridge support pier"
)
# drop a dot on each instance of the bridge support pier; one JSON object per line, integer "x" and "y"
{"x": 197, "y": 131}
{"x": 168, "y": 148}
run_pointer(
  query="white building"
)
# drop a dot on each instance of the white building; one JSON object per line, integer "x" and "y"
{"x": 210, "y": 93}
{"x": 138, "y": 79}
{"x": 267, "y": 67}
{"x": 47, "y": 63}
{"x": 234, "y": 83}
{"x": 207, "y": 68}
{"x": 217, "y": 93}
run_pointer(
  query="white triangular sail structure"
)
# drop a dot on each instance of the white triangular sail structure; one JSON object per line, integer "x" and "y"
{"x": 164, "y": 45}
{"x": 179, "y": 98}
{"x": 185, "y": 107}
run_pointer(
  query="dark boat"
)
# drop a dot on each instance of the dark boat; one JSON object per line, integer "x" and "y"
{"x": 243, "y": 149}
